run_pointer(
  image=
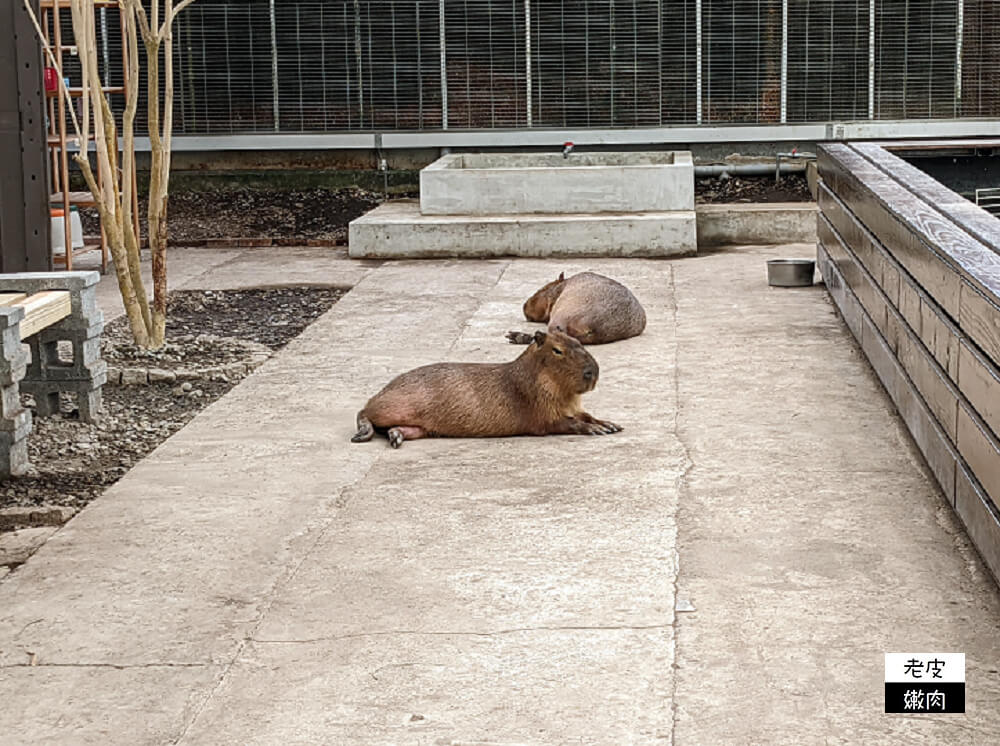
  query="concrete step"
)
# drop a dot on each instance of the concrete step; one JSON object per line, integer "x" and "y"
{"x": 398, "y": 230}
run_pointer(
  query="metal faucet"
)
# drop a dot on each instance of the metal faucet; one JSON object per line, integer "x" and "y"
{"x": 567, "y": 147}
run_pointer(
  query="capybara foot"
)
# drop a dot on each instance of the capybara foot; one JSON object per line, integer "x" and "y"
{"x": 365, "y": 430}
{"x": 395, "y": 437}
{"x": 404, "y": 432}
{"x": 520, "y": 338}
{"x": 605, "y": 427}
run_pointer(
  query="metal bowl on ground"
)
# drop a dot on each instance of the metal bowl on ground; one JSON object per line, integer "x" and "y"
{"x": 790, "y": 273}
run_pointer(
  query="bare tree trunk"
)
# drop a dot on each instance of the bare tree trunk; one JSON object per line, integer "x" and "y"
{"x": 114, "y": 198}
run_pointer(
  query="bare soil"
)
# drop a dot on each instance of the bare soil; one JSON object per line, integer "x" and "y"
{"x": 791, "y": 188}
{"x": 245, "y": 212}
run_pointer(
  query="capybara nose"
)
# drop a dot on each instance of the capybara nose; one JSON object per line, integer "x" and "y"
{"x": 589, "y": 374}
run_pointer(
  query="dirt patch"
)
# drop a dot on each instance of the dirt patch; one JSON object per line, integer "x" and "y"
{"x": 717, "y": 190}
{"x": 73, "y": 462}
{"x": 257, "y": 213}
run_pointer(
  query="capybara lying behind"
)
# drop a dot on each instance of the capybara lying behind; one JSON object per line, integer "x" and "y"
{"x": 589, "y": 307}
{"x": 536, "y": 394}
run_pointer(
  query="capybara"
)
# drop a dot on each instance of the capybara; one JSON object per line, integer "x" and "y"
{"x": 536, "y": 394}
{"x": 589, "y": 307}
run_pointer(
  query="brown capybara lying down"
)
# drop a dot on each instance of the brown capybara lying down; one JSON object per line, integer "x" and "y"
{"x": 536, "y": 394}
{"x": 589, "y": 307}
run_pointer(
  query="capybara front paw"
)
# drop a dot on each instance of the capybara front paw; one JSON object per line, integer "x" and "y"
{"x": 395, "y": 437}
{"x": 609, "y": 427}
{"x": 518, "y": 338}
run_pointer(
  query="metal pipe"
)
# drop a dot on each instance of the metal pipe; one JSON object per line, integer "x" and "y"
{"x": 746, "y": 169}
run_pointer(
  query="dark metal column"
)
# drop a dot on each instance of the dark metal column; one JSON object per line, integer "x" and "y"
{"x": 24, "y": 179}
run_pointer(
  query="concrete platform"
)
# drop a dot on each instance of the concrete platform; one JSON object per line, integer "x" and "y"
{"x": 756, "y": 224}
{"x": 399, "y": 230}
{"x": 260, "y": 580}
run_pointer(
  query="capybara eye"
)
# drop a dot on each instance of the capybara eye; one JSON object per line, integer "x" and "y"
{"x": 557, "y": 351}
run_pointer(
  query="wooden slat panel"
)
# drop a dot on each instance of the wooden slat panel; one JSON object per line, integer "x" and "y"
{"x": 939, "y": 335}
{"x": 980, "y": 451}
{"x": 854, "y": 180}
{"x": 42, "y": 310}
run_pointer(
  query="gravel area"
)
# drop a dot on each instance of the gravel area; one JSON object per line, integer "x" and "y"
{"x": 791, "y": 188}
{"x": 73, "y": 462}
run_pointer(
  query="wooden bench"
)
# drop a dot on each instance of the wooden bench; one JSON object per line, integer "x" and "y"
{"x": 42, "y": 310}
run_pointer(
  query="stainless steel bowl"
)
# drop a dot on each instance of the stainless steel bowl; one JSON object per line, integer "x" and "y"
{"x": 790, "y": 273}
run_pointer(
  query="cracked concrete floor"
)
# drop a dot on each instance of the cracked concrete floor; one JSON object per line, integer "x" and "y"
{"x": 260, "y": 580}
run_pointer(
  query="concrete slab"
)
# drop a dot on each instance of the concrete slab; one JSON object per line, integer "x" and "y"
{"x": 756, "y": 224}
{"x": 396, "y": 230}
{"x": 808, "y": 550}
{"x": 258, "y": 579}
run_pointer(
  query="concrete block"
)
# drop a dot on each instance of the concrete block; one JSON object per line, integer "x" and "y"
{"x": 536, "y": 183}
{"x": 398, "y": 230}
{"x": 756, "y": 224}
{"x": 44, "y": 515}
{"x": 135, "y": 377}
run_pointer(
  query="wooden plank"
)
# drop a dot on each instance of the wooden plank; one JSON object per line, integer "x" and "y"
{"x": 42, "y": 310}
{"x": 939, "y": 334}
{"x": 933, "y": 384}
{"x": 975, "y": 221}
{"x": 979, "y": 382}
{"x": 9, "y": 299}
{"x": 981, "y": 518}
{"x": 979, "y": 318}
{"x": 980, "y": 450}
{"x": 912, "y": 238}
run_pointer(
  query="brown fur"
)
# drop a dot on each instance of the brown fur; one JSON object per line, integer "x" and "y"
{"x": 536, "y": 394}
{"x": 589, "y": 307}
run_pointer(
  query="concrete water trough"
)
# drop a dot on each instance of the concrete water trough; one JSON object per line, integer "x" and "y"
{"x": 512, "y": 183}
{"x": 528, "y": 204}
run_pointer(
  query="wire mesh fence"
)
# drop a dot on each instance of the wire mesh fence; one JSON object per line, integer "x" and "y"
{"x": 293, "y": 66}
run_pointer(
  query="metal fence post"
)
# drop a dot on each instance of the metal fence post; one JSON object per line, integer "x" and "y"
{"x": 274, "y": 69}
{"x": 697, "y": 60}
{"x": 871, "y": 59}
{"x": 443, "y": 43}
{"x": 527, "y": 56}
{"x": 959, "y": 43}
{"x": 784, "y": 61}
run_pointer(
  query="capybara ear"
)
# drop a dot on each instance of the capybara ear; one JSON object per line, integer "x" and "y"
{"x": 540, "y": 338}
{"x": 562, "y": 276}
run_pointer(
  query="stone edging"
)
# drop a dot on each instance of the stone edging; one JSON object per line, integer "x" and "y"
{"x": 252, "y": 242}
{"x": 141, "y": 375}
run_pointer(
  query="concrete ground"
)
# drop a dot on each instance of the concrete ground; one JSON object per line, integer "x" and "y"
{"x": 260, "y": 580}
